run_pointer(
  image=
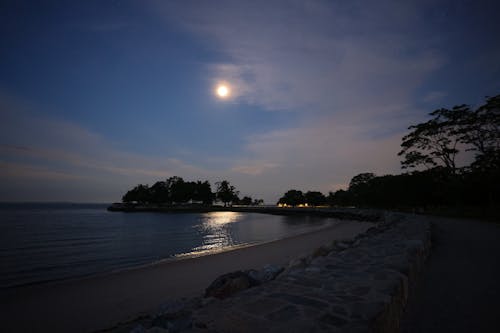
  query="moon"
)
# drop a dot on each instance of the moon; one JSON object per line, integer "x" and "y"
{"x": 222, "y": 91}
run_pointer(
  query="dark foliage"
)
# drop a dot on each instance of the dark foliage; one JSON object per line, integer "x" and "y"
{"x": 314, "y": 198}
{"x": 248, "y": 201}
{"x": 140, "y": 193}
{"x": 245, "y": 201}
{"x": 339, "y": 198}
{"x": 172, "y": 191}
{"x": 434, "y": 146}
{"x": 292, "y": 198}
{"x": 257, "y": 202}
{"x": 226, "y": 192}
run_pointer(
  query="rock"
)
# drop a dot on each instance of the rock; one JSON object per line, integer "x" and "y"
{"x": 157, "y": 330}
{"x": 173, "y": 309}
{"x": 175, "y": 316}
{"x": 297, "y": 262}
{"x": 229, "y": 284}
{"x": 413, "y": 246}
{"x": 207, "y": 300}
{"x": 180, "y": 324}
{"x": 330, "y": 246}
{"x": 371, "y": 231}
{"x": 342, "y": 245}
{"x": 268, "y": 273}
{"x": 297, "y": 266}
{"x": 320, "y": 252}
{"x": 313, "y": 269}
{"x": 138, "y": 329}
{"x": 318, "y": 261}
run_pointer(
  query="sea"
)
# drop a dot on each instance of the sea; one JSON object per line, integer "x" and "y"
{"x": 42, "y": 242}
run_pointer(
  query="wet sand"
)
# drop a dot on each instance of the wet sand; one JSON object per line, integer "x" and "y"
{"x": 90, "y": 304}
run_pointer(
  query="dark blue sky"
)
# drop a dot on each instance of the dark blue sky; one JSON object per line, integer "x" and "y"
{"x": 97, "y": 96}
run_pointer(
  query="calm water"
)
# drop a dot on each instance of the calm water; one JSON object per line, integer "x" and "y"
{"x": 45, "y": 242}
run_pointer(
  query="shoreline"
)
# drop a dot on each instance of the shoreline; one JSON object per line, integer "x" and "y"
{"x": 344, "y": 213}
{"x": 173, "y": 258}
{"x": 98, "y": 302}
{"x": 167, "y": 260}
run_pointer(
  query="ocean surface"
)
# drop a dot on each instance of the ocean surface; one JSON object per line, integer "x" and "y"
{"x": 47, "y": 242}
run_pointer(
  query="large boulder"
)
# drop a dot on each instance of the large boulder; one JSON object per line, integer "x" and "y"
{"x": 229, "y": 284}
{"x": 267, "y": 273}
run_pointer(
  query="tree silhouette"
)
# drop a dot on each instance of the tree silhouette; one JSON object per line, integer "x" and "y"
{"x": 360, "y": 187}
{"x": 160, "y": 193}
{"x": 292, "y": 198}
{"x": 482, "y": 132}
{"x": 246, "y": 201}
{"x": 314, "y": 198}
{"x": 203, "y": 192}
{"x": 442, "y": 184}
{"x": 172, "y": 190}
{"x": 180, "y": 191}
{"x": 435, "y": 141}
{"x": 139, "y": 194}
{"x": 257, "y": 202}
{"x": 226, "y": 192}
{"x": 360, "y": 180}
{"x": 339, "y": 198}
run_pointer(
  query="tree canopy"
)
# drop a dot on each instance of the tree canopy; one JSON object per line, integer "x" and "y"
{"x": 226, "y": 192}
{"x": 170, "y": 191}
{"x": 431, "y": 149}
{"x": 482, "y": 133}
{"x": 314, "y": 198}
{"x": 292, "y": 198}
{"x": 175, "y": 190}
{"x": 297, "y": 197}
{"x": 436, "y": 142}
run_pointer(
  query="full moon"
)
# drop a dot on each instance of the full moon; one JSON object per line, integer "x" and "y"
{"x": 222, "y": 91}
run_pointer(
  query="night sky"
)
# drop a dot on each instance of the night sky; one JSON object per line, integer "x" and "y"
{"x": 98, "y": 96}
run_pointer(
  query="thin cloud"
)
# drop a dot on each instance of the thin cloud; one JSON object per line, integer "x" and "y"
{"x": 53, "y": 150}
{"x": 434, "y": 96}
{"x": 254, "y": 168}
{"x": 314, "y": 56}
{"x": 16, "y": 171}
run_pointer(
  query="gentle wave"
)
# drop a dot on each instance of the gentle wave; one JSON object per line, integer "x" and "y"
{"x": 50, "y": 243}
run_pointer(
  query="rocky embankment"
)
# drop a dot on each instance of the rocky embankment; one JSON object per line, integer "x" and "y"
{"x": 360, "y": 285}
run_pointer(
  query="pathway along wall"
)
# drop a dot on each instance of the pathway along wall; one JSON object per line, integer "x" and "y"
{"x": 356, "y": 286}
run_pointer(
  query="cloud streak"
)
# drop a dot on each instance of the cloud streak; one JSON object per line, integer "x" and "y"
{"x": 314, "y": 56}
{"x": 56, "y": 151}
{"x": 350, "y": 70}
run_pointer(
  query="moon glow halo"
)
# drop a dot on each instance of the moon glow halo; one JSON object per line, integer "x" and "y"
{"x": 222, "y": 91}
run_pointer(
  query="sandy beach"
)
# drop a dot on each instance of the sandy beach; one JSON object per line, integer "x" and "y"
{"x": 100, "y": 302}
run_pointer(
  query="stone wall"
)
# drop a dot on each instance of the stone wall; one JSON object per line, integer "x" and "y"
{"x": 359, "y": 285}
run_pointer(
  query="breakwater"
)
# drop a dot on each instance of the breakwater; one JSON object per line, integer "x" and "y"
{"x": 358, "y": 285}
{"x": 369, "y": 215}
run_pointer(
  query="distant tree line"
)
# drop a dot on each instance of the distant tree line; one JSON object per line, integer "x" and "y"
{"x": 297, "y": 198}
{"x": 429, "y": 153}
{"x": 176, "y": 190}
